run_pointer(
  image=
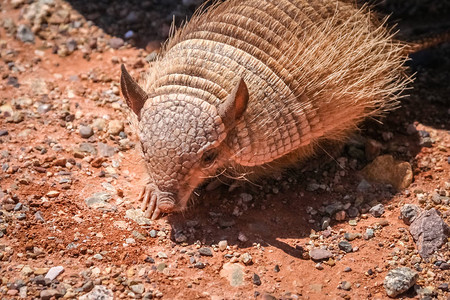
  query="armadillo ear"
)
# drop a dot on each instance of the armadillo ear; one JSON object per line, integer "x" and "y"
{"x": 132, "y": 92}
{"x": 235, "y": 105}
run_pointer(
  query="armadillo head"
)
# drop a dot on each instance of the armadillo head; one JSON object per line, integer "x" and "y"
{"x": 182, "y": 139}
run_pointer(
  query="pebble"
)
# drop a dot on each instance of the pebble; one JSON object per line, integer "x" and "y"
{"x": 234, "y": 273}
{"x": 256, "y": 279}
{"x": 116, "y": 43}
{"x": 377, "y": 210}
{"x": 386, "y": 169}
{"x": 399, "y": 280}
{"x": 346, "y": 286}
{"x": 38, "y": 217}
{"x": 409, "y": 212}
{"x": 138, "y": 288}
{"x": 54, "y": 272}
{"x": 345, "y": 246}
{"x": 98, "y": 292}
{"x": 347, "y": 269}
{"x": 429, "y": 232}
{"x": 99, "y": 201}
{"x": 137, "y": 215}
{"x": 369, "y": 234}
{"x": 350, "y": 236}
{"x": 115, "y": 127}
{"x": 85, "y": 131}
{"x": 48, "y": 294}
{"x": 223, "y": 245}
{"x": 320, "y": 254}
{"x": 99, "y": 124}
{"x": 104, "y": 150}
{"x": 246, "y": 258}
{"x": 205, "y": 251}
{"x": 25, "y": 34}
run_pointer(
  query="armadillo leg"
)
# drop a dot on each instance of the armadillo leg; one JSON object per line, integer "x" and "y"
{"x": 156, "y": 213}
{"x": 149, "y": 201}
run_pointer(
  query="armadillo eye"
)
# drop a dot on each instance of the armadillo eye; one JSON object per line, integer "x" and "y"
{"x": 209, "y": 157}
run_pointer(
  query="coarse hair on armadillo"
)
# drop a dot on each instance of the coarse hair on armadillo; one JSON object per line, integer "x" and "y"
{"x": 314, "y": 69}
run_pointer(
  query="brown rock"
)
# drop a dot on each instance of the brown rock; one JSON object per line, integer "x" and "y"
{"x": 386, "y": 169}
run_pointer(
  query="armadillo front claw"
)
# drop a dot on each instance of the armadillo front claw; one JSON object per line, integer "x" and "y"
{"x": 149, "y": 203}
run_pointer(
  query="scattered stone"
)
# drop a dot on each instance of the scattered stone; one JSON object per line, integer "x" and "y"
{"x": 377, "y": 210}
{"x": 116, "y": 43}
{"x": 205, "y": 251}
{"x": 137, "y": 215}
{"x": 54, "y": 272}
{"x": 115, "y": 127}
{"x": 256, "y": 279}
{"x": 85, "y": 131}
{"x": 346, "y": 286}
{"x": 372, "y": 149}
{"x": 99, "y": 201}
{"x": 399, "y": 280}
{"x": 48, "y": 294}
{"x": 350, "y": 236}
{"x": 369, "y": 234}
{"x": 98, "y": 292}
{"x": 345, "y": 246}
{"x": 318, "y": 254}
{"x": 409, "y": 212}
{"x": 223, "y": 245}
{"x": 53, "y": 194}
{"x": 44, "y": 108}
{"x": 347, "y": 269}
{"x": 363, "y": 186}
{"x": 340, "y": 215}
{"x": 105, "y": 150}
{"x": 138, "y": 288}
{"x": 246, "y": 258}
{"x": 385, "y": 169}
{"x": 234, "y": 273}
{"x": 25, "y": 34}
{"x": 429, "y": 231}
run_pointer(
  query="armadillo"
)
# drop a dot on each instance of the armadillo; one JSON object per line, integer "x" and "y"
{"x": 252, "y": 85}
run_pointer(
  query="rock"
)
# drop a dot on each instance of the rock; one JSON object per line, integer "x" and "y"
{"x": 137, "y": 215}
{"x": 99, "y": 201}
{"x": 377, "y": 210}
{"x": 116, "y": 43}
{"x": 99, "y": 124}
{"x": 256, "y": 279}
{"x": 98, "y": 292}
{"x": 85, "y": 131}
{"x": 429, "y": 232}
{"x": 115, "y": 127}
{"x": 345, "y": 246}
{"x": 48, "y": 294}
{"x": 385, "y": 169}
{"x": 223, "y": 245}
{"x": 25, "y": 34}
{"x": 363, "y": 186}
{"x": 369, "y": 234}
{"x": 105, "y": 150}
{"x": 54, "y": 272}
{"x": 372, "y": 149}
{"x": 346, "y": 286}
{"x": 138, "y": 288}
{"x": 409, "y": 212}
{"x": 320, "y": 254}
{"x": 399, "y": 280}
{"x": 205, "y": 251}
{"x": 44, "y": 108}
{"x": 246, "y": 258}
{"x": 234, "y": 273}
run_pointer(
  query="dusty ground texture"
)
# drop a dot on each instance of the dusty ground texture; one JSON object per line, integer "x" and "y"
{"x": 70, "y": 177}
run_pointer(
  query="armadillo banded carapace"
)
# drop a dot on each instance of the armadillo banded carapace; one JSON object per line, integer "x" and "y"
{"x": 252, "y": 83}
